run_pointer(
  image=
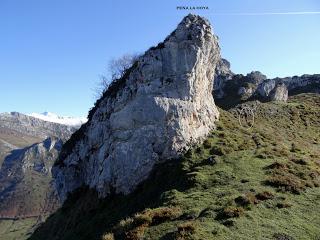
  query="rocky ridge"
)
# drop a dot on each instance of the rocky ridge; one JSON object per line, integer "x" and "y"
{"x": 157, "y": 110}
{"x": 18, "y": 131}
{"x": 235, "y": 88}
{"x": 32, "y": 126}
{"x": 26, "y": 188}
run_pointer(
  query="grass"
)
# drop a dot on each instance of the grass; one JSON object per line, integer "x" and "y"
{"x": 16, "y": 229}
{"x": 239, "y": 184}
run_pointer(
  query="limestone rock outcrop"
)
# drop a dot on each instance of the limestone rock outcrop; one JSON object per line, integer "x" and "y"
{"x": 256, "y": 86}
{"x": 292, "y": 85}
{"x": 279, "y": 93}
{"x": 160, "y": 107}
{"x": 223, "y": 74}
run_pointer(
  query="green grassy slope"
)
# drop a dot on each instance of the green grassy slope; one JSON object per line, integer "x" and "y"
{"x": 10, "y": 139}
{"x": 17, "y": 229}
{"x": 258, "y": 183}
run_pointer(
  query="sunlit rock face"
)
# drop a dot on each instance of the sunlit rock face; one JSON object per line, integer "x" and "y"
{"x": 161, "y": 106}
{"x": 279, "y": 93}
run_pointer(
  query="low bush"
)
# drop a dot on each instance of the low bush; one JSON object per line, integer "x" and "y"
{"x": 216, "y": 150}
{"x": 283, "y": 204}
{"x": 264, "y": 196}
{"x": 282, "y": 236}
{"x": 232, "y": 212}
{"x": 287, "y": 183}
{"x": 247, "y": 199}
{"x": 185, "y": 230}
{"x": 207, "y": 144}
{"x": 136, "y": 233}
{"x": 199, "y": 150}
{"x": 294, "y": 176}
{"x": 300, "y": 161}
{"x": 134, "y": 228}
{"x": 277, "y": 165}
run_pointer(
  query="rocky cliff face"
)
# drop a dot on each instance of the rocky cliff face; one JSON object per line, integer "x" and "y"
{"x": 223, "y": 74}
{"x": 303, "y": 84}
{"x": 161, "y": 106}
{"x": 237, "y": 88}
{"x": 279, "y": 93}
{"x": 26, "y": 188}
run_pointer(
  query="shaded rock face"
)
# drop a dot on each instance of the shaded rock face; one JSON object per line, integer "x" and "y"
{"x": 222, "y": 75}
{"x": 249, "y": 84}
{"x": 237, "y": 88}
{"x": 26, "y": 187}
{"x": 159, "y": 108}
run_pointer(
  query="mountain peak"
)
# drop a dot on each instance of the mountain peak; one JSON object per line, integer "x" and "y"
{"x": 156, "y": 111}
{"x": 195, "y": 19}
{"x": 192, "y": 28}
{"x": 65, "y": 120}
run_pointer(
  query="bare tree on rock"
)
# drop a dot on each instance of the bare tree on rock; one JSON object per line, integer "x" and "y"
{"x": 115, "y": 70}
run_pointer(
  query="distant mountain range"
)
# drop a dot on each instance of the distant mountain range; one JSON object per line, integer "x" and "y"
{"x": 52, "y": 117}
{"x": 25, "y": 181}
{"x": 28, "y": 148}
{"x": 18, "y": 131}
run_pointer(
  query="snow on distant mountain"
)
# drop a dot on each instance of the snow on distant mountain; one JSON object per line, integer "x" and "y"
{"x": 52, "y": 117}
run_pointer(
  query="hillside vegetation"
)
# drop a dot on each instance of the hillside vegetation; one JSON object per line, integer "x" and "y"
{"x": 17, "y": 229}
{"x": 257, "y": 183}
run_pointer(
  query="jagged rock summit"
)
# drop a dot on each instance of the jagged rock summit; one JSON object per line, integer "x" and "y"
{"x": 161, "y": 106}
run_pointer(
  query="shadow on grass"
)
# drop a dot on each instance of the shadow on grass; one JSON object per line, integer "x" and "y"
{"x": 85, "y": 216}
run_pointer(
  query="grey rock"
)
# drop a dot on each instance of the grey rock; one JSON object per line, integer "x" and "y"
{"x": 160, "y": 108}
{"x": 256, "y": 77}
{"x": 256, "y": 86}
{"x": 264, "y": 89}
{"x": 294, "y": 85}
{"x": 279, "y": 93}
{"x": 223, "y": 74}
{"x": 248, "y": 84}
{"x": 229, "y": 85}
{"x": 245, "y": 91}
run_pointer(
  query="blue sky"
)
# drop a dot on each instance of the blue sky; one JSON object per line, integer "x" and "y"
{"x": 52, "y": 52}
